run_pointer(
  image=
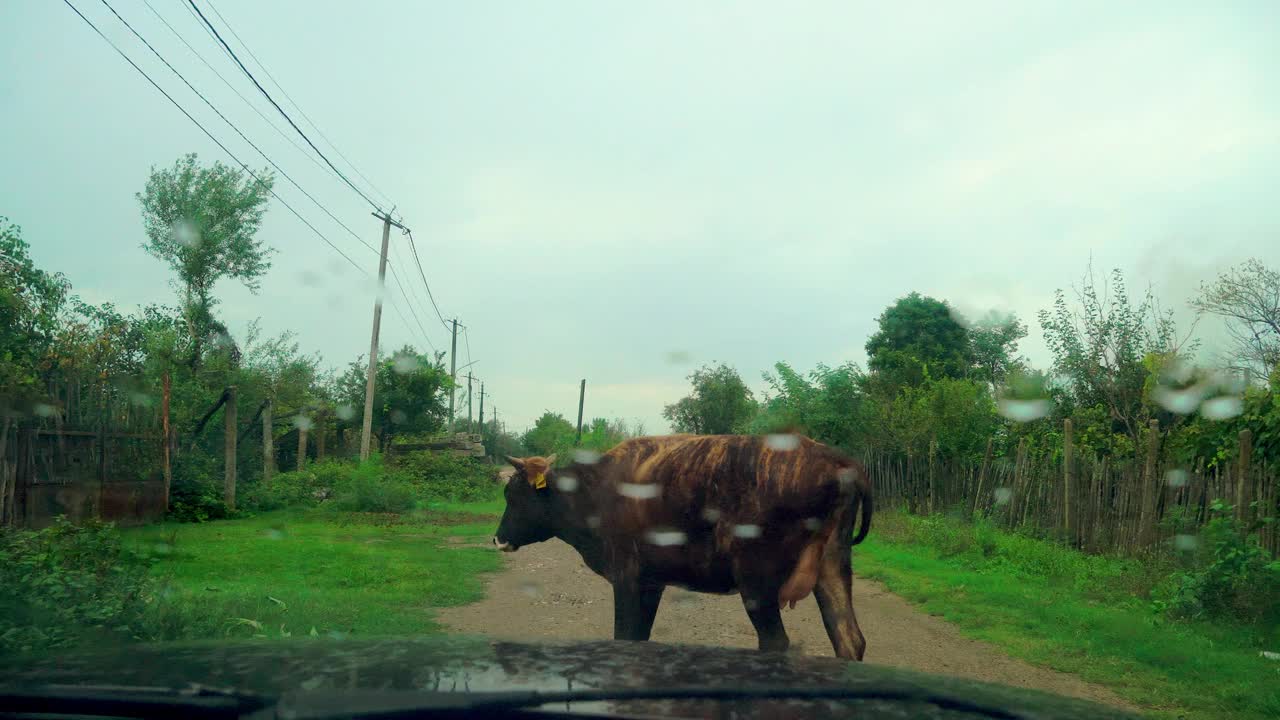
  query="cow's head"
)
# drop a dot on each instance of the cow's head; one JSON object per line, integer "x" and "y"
{"x": 530, "y": 516}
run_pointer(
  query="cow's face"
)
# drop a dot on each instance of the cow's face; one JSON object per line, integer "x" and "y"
{"x": 529, "y": 517}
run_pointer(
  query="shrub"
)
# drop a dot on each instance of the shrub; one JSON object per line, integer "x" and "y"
{"x": 197, "y": 489}
{"x": 69, "y": 584}
{"x": 300, "y": 488}
{"x": 445, "y": 476}
{"x": 372, "y": 488}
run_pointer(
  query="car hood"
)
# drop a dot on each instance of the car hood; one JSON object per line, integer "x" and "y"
{"x": 324, "y": 666}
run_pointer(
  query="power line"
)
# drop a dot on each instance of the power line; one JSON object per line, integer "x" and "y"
{"x": 413, "y": 298}
{"x": 414, "y": 248}
{"x": 296, "y": 106}
{"x": 227, "y": 82}
{"x": 413, "y": 312}
{"x": 267, "y": 95}
{"x": 210, "y": 135}
{"x": 466, "y": 336}
{"x": 233, "y": 127}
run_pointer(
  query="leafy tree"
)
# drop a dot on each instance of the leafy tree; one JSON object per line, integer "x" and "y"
{"x": 918, "y": 338}
{"x": 720, "y": 403}
{"x": 1248, "y": 297}
{"x": 828, "y": 405}
{"x": 411, "y": 395}
{"x": 551, "y": 434}
{"x": 1100, "y": 347}
{"x": 994, "y": 342}
{"x": 30, "y": 302}
{"x": 203, "y": 222}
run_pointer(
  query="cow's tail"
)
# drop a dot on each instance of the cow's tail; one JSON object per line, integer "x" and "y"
{"x": 864, "y": 500}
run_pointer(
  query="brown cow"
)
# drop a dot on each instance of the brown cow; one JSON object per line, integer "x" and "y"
{"x": 769, "y": 517}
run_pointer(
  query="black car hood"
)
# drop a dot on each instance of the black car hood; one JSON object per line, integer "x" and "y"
{"x": 474, "y": 665}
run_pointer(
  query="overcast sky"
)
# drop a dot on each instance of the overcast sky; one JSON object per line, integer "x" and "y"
{"x": 595, "y": 186}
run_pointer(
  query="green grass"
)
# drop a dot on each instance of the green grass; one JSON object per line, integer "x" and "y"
{"x": 1073, "y": 612}
{"x": 284, "y": 573}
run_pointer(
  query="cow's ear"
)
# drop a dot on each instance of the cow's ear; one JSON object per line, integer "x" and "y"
{"x": 551, "y": 460}
{"x": 517, "y": 463}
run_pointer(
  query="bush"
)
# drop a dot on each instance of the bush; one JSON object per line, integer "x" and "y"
{"x": 1232, "y": 577}
{"x": 372, "y": 488}
{"x": 445, "y": 476}
{"x": 68, "y": 584}
{"x": 197, "y": 489}
{"x": 300, "y": 488}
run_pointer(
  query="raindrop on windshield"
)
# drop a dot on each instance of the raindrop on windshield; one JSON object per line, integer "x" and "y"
{"x": 140, "y": 398}
{"x": 1181, "y": 401}
{"x": 346, "y": 411}
{"x": 302, "y": 422}
{"x": 665, "y": 537}
{"x": 1223, "y": 407}
{"x": 746, "y": 531}
{"x": 678, "y": 357}
{"x": 44, "y": 410}
{"x": 1185, "y": 543}
{"x": 846, "y": 476}
{"x": 566, "y": 483}
{"x": 185, "y": 233}
{"x": 586, "y": 457}
{"x": 711, "y": 514}
{"x": 637, "y": 491}
{"x": 530, "y": 588}
{"x": 310, "y": 279}
{"x": 1003, "y": 496}
{"x": 404, "y": 363}
{"x": 593, "y": 521}
{"x": 1176, "y": 477}
{"x": 813, "y": 524}
{"x": 399, "y": 417}
{"x": 782, "y": 442}
{"x": 273, "y": 534}
{"x": 1024, "y": 410}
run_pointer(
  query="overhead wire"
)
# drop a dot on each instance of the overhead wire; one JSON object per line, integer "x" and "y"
{"x": 211, "y": 136}
{"x": 237, "y": 129}
{"x": 413, "y": 247}
{"x": 279, "y": 109}
{"x": 412, "y": 312}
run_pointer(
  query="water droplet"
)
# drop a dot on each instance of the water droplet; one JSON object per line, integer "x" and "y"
{"x": 1185, "y": 543}
{"x": 665, "y": 537}
{"x": 302, "y": 422}
{"x": 1003, "y": 496}
{"x": 593, "y": 521}
{"x": 746, "y": 532}
{"x": 1024, "y": 410}
{"x": 566, "y": 483}
{"x": 586, "y": 457}
{"x": 751, "y": 604}
{"x": 399, "y": 417}
{"x": 782, "y": 442}
{"x": 678, "y": 357}
{"x": 530, "y": 588}
{"x": 711, "y": 515}
{"x": 185, "y": 233}
{"x": 812, "y": 524}
{"x": 1223, "y": 407}
{"x": 140, "y": 398}
{"x": 163, "y": 548}
{"x": 636, "y": 491}
{"x": 1176, "y": 477}
{"x": 405, "y": 363}
{"x": 273, "y": 534}
{"x": 310, "y": 279}
{"x": 44, "y": 410}
{"x": 1181, "y": 401}
{"x": 846, "y": 476}
{"x": 346, "y": 411}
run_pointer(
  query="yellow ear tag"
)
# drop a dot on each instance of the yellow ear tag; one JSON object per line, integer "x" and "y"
{"x": 539, "y": 481}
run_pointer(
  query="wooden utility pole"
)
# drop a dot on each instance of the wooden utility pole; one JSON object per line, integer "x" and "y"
{"x": 229, "y": 457}
{"x": 367, "y": 430}
{"x": 1066, "y": 480}
{"x": 582, "y": 394}
{"x": 481, "y": 418}
{"x": 268, "y": 444}
{"x": 469, "y": 379}
{"x": 166, "y": 388}
{"x": 1243, "y": 487}
{"x": 453, "y": 369}
{"x": 1147, "y": 525}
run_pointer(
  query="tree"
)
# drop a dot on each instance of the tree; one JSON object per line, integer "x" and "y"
{"x": 410, "y": 395}
{"x": 1100, "y": 348}
{"x": 1248, "y": 298}
{"x": 720, "y": 403}
{"x": 552, "y": 434}
{"x": 203, "y": 222}
{"x": 918, "y": 338}
{"x": 994, "y": 340}
{"x": 30, "y": 302}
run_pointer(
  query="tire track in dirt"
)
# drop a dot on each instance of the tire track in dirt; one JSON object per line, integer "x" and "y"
{"x": 546, "y": 592}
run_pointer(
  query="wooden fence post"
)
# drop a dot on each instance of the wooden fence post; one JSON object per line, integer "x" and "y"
{"x": 166, "y": 388}
{"x": 982, "y": 476}
{"x": 1066, "y": 480}
{"x": 229, "y": 456}
{"x": 931, "y": 492}
{"x": 268, "y": 444}
{"x": 302, "y": 442}
{"x": 322, "y": 430}
{"x": 1147, "y": 521}
{"x": 1244, "y": 494}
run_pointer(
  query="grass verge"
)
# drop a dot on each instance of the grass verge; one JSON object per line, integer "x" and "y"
{"x": 304, "y": 572}
{"x": 1072, "y": 612}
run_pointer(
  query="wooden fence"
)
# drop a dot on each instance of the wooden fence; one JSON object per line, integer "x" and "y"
{"x": 1100, "y": 505}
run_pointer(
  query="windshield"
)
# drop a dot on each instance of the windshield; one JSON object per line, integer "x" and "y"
{"x": 941, "y": 338}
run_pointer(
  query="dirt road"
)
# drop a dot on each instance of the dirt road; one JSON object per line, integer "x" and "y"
{"x": 547, "y": 593}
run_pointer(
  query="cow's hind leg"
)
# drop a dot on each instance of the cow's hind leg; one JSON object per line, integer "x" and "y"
{"x": 634, "y": 609}
{"x": 834, "y": 592}
{"x": 766, "y": 617}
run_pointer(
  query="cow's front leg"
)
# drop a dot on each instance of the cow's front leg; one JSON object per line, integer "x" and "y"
{"x": 766, "y": 617}
{"x": 634, "y": 608}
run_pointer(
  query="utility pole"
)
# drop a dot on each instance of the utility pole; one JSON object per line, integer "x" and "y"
{"x": 453, "y": 370}
{"x": 367, "y": 430}
{"x": 469, "y": 379}
{"x": 482, "y": 407}
{"x": 582, "y": 394}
